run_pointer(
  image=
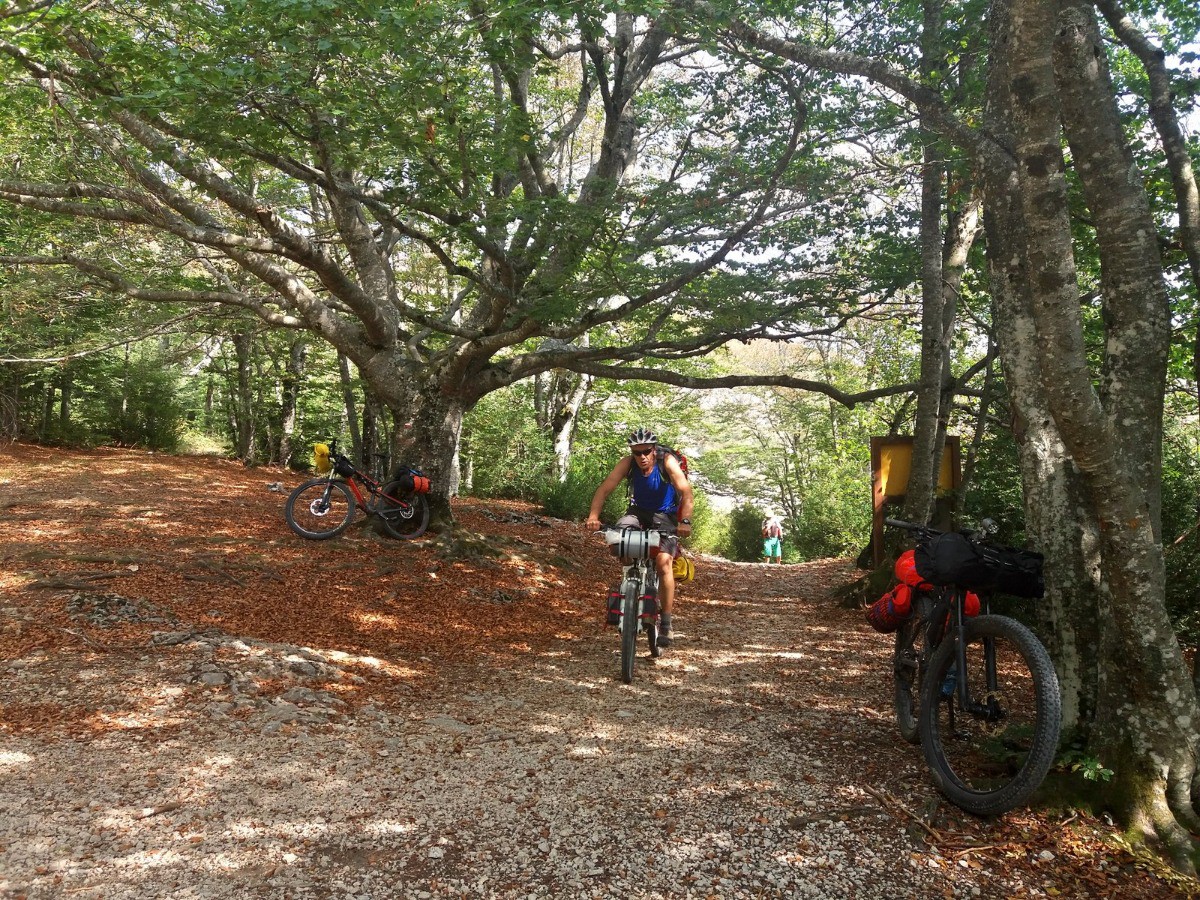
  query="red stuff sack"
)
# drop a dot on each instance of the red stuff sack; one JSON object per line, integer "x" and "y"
{"x": 891, "y": 610}
{"x": 410, "y": 480}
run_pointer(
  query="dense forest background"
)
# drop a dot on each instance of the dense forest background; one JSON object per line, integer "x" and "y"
{"x": 195, "y": 388}
{"x": 490, "y": 238}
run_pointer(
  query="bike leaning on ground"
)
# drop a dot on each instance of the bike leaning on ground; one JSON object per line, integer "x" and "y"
{"x": 322, "y": 508}
{"x": 977, "y": 689}
{"x": 638, "y": 591}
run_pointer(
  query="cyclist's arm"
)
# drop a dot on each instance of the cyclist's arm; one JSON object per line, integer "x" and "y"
{"x": 683, "y": 489}
{"x": 607, "y": 486}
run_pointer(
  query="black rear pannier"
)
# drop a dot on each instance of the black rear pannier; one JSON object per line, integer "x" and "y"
{"x": 952, "y": 559}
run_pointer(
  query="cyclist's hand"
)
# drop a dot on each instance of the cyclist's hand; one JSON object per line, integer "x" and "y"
{"x": 592, "y": 523}
{"x": 683, "y": 530}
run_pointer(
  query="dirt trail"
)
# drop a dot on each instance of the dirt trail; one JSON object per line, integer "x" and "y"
{"x": 196, "y": 703}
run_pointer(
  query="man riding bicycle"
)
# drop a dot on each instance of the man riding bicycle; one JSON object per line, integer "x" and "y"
{"x": 661, "y": 499}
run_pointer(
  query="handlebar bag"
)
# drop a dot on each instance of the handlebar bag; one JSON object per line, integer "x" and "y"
{"x": 951, "y": 559}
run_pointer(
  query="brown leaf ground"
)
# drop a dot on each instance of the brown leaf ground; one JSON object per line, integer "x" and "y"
{"x": 201, "y": 543}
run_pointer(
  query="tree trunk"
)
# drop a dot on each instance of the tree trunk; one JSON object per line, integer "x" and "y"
{"x": 293, "y": 376}
{"x": 564, "y": 420}
{"x": 350, "y": 406}
{"x": 1136, "y": 314}
{"x": 979, "y": 429}
{"x": 1056, "y": 519}
{"x": 66, "y": 387}
{"x": 927, "y": 450}
{"x": 371, "y": 451}
{"x": 1151, "y": 743}
{"x": 48, "y": 394}
{"x": 430, "y": 441}
{"x": 962, "y": 229}
{"x": 243, "y": 400}
{"x": 210, "y": 392}
{"x": 10, "y": 404}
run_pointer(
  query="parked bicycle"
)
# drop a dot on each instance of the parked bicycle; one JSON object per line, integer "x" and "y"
{"x": 322, "y": 508}
{"x": 978, "y": 690}
{"x": 638, "y": 592}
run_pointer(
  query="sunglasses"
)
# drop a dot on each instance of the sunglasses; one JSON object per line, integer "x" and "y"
{"x": 646, "y": 452}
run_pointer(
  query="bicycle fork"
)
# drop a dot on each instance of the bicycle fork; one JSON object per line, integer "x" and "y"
{"x": 989, "y": 710}
{"x": 643, "y": 584}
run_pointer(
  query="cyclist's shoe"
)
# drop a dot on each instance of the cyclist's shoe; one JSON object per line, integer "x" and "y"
{"x": 664, "y": 640}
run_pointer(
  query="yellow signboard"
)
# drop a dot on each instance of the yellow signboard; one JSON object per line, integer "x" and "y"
{"x": 891, "y": 465}
{"x": 895, "y": 467}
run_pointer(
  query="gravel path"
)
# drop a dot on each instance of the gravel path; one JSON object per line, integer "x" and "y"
{"x": 246, "y": 775}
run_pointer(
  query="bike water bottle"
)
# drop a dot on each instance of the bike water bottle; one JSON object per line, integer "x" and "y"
{"x": 613, "y": 605}
{"x": 949, "y": 683}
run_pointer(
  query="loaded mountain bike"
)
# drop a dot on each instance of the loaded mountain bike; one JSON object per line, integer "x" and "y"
{"x": 638, "y": 610}
{"x": 322, "y": 508}
{"x": 978, "y": 690}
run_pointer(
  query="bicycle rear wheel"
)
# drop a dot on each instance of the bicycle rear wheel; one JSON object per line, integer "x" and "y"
{"x": 991, "y": 756}
{"x": 319, "y": 509}
{"x": 405, "y": 515}
{"x": 629, "y": 630}
{"x": 908, "y": 667}
{"x": 906, "y": 675}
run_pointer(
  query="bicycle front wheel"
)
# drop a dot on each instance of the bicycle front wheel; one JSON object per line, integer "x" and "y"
{"x": 991, "y": 755}
{"x": 319, "y": 509}
{"x": 405, "y": 515}
{"x": 629, "y": 630}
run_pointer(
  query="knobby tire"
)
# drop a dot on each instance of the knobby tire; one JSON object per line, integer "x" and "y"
{"x": 320, "y": 509}
{"x": 908, "y": 667}
{"x": 989, "y": 764}
{"x": 629, "y": 630}
{"x": 405, "y": 520}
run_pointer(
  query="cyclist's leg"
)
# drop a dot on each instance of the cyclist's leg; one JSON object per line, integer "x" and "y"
{"x": 666, "y": 583}
{"x": 666, "y": 574}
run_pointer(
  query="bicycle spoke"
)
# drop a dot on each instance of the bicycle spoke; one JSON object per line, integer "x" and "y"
{"x": 993, "y": 750}
{"x": 319, "y": 509}
{"x": 405, "y": 515}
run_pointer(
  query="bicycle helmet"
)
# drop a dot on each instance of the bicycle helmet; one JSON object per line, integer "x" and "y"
{"x": 643, "y": 436}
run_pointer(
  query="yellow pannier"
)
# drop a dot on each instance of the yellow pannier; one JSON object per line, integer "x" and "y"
{"x": 683, "y": 568}
{"x": 321, "y": 458}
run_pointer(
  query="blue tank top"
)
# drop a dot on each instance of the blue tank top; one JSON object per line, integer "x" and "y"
{"x": 654, "y": 491}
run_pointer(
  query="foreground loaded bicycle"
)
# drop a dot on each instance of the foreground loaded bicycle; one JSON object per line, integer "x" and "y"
{"x": 324, "y": 507}
{"x": 638, "y": 593}
{"x": 978, "y": 690}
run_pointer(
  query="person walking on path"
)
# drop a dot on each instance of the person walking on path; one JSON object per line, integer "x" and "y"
{"x": 772, "y": 532}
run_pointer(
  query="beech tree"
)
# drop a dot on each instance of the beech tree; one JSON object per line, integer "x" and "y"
{"x": 454, "y": 196}
{"x": 1090, "y": 457}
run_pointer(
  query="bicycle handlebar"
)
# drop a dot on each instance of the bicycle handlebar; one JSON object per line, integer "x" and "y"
{"x": 986, "y": 529}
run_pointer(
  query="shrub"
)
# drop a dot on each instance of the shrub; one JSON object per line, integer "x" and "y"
{"x": 745, "y": 533}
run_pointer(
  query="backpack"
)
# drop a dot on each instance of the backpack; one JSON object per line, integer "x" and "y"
{"x": 772, "y": 529}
